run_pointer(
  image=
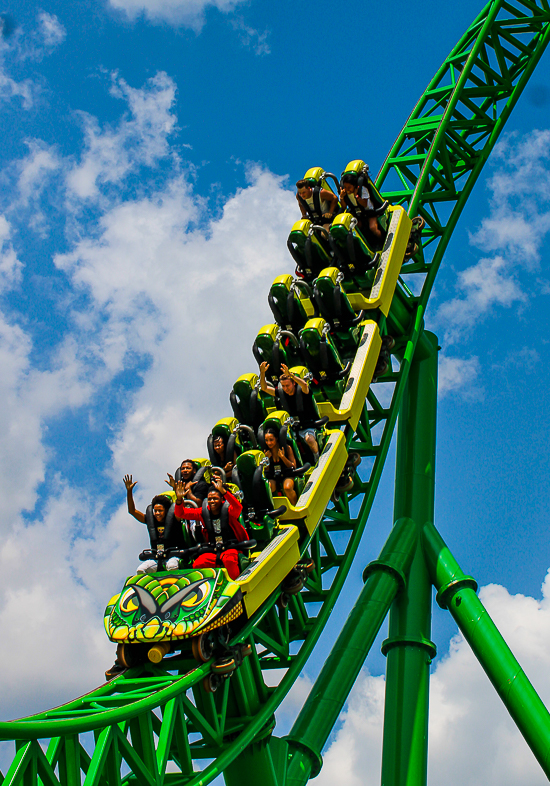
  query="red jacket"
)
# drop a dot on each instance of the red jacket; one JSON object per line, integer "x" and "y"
{"x": 235, "y": 509}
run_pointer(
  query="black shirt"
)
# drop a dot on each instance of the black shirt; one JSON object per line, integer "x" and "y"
{"x": 299, "y": 405}
{"x": 200, "y": 489}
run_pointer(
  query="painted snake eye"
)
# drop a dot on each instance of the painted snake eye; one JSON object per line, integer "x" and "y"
{"x": 128, "y": 602}
{"x": 196, "y": 596}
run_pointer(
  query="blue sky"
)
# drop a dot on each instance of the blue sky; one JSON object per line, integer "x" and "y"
{"x": 149, "y": 147}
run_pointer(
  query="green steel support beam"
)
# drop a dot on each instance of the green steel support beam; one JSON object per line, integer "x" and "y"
{"x": 383, "y": 580}
{"x": 408, "y": 647}
{"x": 457, "y": 593}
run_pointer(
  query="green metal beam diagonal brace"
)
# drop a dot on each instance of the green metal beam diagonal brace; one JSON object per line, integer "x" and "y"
{"x": 457, "y": 593}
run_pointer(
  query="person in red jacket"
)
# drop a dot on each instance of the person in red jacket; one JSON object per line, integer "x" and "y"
{"x": 217, "y": 522}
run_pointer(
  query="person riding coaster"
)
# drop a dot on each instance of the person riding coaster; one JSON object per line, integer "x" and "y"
{"x": 223, "y": 445}
{"x": 216, "y": 524}
{"x": 360, "y": 197}
{"x": 294, "y": 396}
{"x": 192, "y": 474}
{"x": 317, "y": 202}
{"x": 165, "y": 533}
{"x": 282, "y": 462}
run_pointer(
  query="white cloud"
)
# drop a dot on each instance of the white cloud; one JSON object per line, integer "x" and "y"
{"x": 177, "y": 12}
{"x": 472, "y": 738}
{"x": 111, "y": 152}
{"x": 10, "y": 266}
{"x": 10, "y": 88}
{"x": 511, "y": 236}
{"x": 50, "y": 29}
{"x": 456, "y": 373}
{"x": 252, "y": 38}
{"x": 487, "y": 283}
{"x": 163, "y": 288}
{"x": 29, "y": 395}
{"x": 35, "y": 169}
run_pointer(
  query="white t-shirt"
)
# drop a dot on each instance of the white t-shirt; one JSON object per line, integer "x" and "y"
{"x": 324, "y": 205}
{"x": 363, "y": 195}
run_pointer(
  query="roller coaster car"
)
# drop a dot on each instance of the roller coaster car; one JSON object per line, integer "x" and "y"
{"x": 335, "y": 308}
{"x": 309, "y": 246}
{"x": 353, "y": 255}
{"x": 319, "y": 486}
{"x": 321, "y": 356}
{"x": 380, "y": 294}
{"x": 248, "y": 402}
{"x": 165, "y": 611}
{"x": 348, "y": 408}
{"x": 291, "y": 301}
{"x": 275, "y": 346}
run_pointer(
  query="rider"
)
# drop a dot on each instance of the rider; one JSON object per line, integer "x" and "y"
{"x": 217, "y": 523}
{"x": 195, "y": 490}
{"x": 318, "y": 205}
{"x": 360, "y": 206}
{"x": 294, "y": 396}
{"x": 219, "y": 444}
{"x": 281, "y": 464}
{"x": 164, "y": 531}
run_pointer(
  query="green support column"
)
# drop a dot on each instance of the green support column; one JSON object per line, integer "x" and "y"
{"x": 384, "y": 578}
{"x": 408, "y": 647}
{"x": 260, "y": 764}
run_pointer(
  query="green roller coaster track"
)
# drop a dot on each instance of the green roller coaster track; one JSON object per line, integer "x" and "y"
{"x": 156, "y": 725}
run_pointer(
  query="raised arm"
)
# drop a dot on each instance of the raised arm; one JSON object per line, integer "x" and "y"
{"x": 137, "y": 514}
{"x": 264, "y": 384}
{"x": 298, "y": 380}
{"x": 188, "y": 514}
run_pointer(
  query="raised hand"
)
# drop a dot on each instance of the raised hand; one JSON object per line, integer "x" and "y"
{"x": 128, "y": 482}
{"x": 171, "y": 482}
{"x": 179, "y": 488}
